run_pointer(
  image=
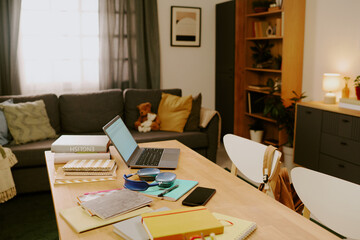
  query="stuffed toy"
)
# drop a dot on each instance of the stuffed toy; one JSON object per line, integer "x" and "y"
{"x": 146, "y": 126}
{"x": 144, "y": 109}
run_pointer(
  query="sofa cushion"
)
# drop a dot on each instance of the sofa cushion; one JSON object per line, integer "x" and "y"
{"x": 4, "y": 130}
{"x": 28, "y": 121}
{"x": 89, "y": 112}
{"x": 31, "y": 154}
{"x": 51, "y": 105}
{"x": 193, "y": 121}
{"x": 173, "y": 112}
{"x": 190, "y": 139}
{"x": 134, "y": 97}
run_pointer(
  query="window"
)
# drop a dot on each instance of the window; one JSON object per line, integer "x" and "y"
{"x": 59, "y": 46}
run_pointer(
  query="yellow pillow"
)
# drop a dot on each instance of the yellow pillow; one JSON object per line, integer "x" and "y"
{"x": 28, "y": 121}
{"x": 173, "y": 112}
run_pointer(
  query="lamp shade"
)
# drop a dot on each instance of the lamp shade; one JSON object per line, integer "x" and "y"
{"x": 331, "y": 82}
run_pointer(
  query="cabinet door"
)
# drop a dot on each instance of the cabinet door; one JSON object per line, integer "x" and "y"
{"x": 307, "y": 137}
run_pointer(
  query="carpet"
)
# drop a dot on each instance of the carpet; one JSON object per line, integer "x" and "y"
{"x": 28, "y": 216}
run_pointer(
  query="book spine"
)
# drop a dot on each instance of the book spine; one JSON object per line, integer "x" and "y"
{"x": 78, "y": 149}
{"x": 65, "y": 157}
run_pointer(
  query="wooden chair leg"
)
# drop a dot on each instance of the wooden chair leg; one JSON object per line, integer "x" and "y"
{"x": 233, "y": 169}
{"x": 306, "y": 212}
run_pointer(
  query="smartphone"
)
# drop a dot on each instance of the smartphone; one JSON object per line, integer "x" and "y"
{"x": 200, "y": 196}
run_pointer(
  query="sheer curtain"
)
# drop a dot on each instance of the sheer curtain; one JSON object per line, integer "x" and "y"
{"x": 9, "y": 32}
{"x": 129, "y": 44}
{"x": 59, "y": 42}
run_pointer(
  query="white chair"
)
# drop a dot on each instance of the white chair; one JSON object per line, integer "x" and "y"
{"x": 247, "y": 156}
{"x": 333, "y": 201}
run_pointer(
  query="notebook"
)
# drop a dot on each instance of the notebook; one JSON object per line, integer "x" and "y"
{"x": 92, "y": 173}
{"x": 81, "y": 221}
{"x": 240, "y": 229}
{"x": 116, "y": 203}
{"x": 89, "y": 165}
{"x": 129, "y": 150}
{"x": 132, "y": 228}
{"x": 181, "y": 223}
{"x": 174, "y": 195}
{"x": 61, "y": 178}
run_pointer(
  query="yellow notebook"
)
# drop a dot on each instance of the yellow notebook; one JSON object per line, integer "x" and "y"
{"x": 81, "y": 221}
{"x": 181, "y": 223}
{"x": 234, "y": 228}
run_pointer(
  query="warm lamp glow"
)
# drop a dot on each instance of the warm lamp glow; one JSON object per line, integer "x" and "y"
{"x": 331, "y": 82}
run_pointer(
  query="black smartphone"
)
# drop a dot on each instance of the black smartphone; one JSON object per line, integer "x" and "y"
{"x": 200, "y": 196}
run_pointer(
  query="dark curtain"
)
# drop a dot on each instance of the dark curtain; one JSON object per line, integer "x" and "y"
{"x": 9, "y": 35}
{"x": 129, "y": 44}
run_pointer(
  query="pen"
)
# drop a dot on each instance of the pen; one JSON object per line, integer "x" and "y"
{"x": 167, "y": 190}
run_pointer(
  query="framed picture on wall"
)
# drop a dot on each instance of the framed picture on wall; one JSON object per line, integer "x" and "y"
{"x": 185, "y": 26}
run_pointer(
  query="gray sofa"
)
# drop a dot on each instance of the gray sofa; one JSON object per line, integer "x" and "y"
{"x": 87, "y": 113}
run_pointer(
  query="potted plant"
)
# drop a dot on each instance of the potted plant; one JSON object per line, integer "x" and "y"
{"x": 357, "y": 87}
{"x": 256, "y": 131}
{"x": 261, "y": 54}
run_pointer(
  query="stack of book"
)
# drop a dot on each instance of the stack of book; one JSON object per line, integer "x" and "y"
{"x": 81, "y": 147}
{"x": 350, "y": 103}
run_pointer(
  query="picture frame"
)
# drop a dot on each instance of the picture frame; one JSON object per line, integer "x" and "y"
{"x": 185, "y": 26}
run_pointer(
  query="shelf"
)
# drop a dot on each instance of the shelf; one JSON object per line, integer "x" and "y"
{"x": 263, "y": 38}
{"x": 273, "y": 142}
{"x": 260, "y": 116}
{"x": 262, "y": 91}
{"x": 263, "y": 70}
{"x": 263, "y": 14}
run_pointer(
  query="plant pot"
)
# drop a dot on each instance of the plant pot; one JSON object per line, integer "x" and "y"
{"x": 357, "y": 90}
{"x": 288, "y": 157}
{"x": 256, "y": 135}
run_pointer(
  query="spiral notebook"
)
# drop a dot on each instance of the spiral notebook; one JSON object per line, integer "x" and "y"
{"x": 234, "y": 228}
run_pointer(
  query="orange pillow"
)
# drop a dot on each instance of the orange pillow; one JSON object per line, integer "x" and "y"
{"x": 173, "y": 112}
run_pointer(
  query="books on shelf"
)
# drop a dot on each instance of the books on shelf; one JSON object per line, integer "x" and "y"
{"x": 80, "y": 143}
{"x": 350, "y": 103}
{"x": 65, "y": 157}
{"x": 132, "y": 228}
{"x": 260, "y": 28}
{"x": 259, "y": 87}
{"x": 181, "y": 223}
{"x": 92, "y": 165}
{"x": 255, "y": 102}
{"x": 174, "y": 195}
{"x": 116, "y": 203}
{"x": 234, "y": 228}
{"x": 80, "y": 221}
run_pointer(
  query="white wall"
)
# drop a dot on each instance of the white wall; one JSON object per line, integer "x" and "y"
{"x": 190, "y": 68}
{"x": 332, "y": 43}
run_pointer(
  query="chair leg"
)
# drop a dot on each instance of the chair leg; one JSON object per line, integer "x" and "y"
{"x": 233, "y": 169}
{"x": 306, "y": 212}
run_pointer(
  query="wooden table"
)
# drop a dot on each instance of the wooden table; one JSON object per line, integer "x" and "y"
{"x": 233, "y": 197}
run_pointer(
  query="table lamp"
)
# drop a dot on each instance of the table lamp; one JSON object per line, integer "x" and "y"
{"x": 331, "y": 82}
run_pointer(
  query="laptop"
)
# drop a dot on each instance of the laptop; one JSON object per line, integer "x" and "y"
{"x": 133, "y": 155}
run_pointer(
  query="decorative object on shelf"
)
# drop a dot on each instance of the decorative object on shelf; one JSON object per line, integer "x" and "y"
{"x": 256, "y": 131}
{"x": 261, "y": 5}
{"x": 330, "y": 83}
{"x": 346, "y": 90}
{"x": 261, "y": 54}
{"x": 185, "y": 26}
{"x": 357, "y": 87}
{"x": 277, "y": 62}
{"x": 277, "y": 84}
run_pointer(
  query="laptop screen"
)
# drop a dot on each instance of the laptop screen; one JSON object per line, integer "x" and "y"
{"x": 121, "y": 138}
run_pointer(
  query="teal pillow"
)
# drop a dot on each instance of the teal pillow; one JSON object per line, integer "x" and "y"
{"x": 4, "y": 130}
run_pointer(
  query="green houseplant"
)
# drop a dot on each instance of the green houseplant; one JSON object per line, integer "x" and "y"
{"x": 262, "y": 54}
{"x": 261, "y": 5}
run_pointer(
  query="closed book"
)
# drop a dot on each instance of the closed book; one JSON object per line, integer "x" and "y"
{"x": 61, "y": 178}
{"x": 183, "y": 187}
{"x": 132, "y": 228}
{"x": 81, "y": 143}
{"x": 93, "y": 173}
{"x": 89, "y": 165}
{"x": 234, "y": 228}
{"x": 180, "y": 224}
{"x": 66, "y": 157}
{"x": 81, "y": 221}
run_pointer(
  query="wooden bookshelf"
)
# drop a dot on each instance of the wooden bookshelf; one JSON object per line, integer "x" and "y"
{"x": 288, "y": 44}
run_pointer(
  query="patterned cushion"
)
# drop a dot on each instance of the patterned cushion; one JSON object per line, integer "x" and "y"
{"x": 28, "y": 121}
{"x": 4, "y": 131}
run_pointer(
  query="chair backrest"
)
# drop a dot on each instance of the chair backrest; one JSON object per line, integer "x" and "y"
{"x": 248, "y": 156}
{"x": 333, "y": 201}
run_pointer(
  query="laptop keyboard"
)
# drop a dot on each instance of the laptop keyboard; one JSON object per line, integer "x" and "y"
{"x": 150, "y": 157}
